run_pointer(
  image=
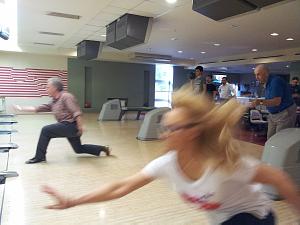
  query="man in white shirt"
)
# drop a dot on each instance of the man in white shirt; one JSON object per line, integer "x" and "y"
{"x": 226, "y": 90}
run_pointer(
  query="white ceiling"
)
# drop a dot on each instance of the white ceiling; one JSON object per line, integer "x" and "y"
{"x": 194, "y": 32}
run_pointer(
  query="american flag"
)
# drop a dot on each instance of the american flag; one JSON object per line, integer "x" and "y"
{"x": 28, "y": 82}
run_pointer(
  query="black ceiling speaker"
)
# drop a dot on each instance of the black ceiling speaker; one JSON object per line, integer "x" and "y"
{"x": 221, "y": 9}
{"x": 111, "y": 33}
{"x": 88, "y": 50}
{"x": 128, "y": 31}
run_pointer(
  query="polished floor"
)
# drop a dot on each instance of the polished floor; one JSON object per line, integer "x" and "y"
{"x": 75, "y": 174}
{"x": 251, "y": 135}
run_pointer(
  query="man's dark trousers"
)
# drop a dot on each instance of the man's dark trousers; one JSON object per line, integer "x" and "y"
{"x": 68, "y": 130}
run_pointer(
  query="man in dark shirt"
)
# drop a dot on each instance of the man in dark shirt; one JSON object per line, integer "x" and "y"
{"x": 295, "y": 88}
{"x": 211, "y": 89}
{"x": 279, "y": 101}
{"x": 198, "y": 82}
{"x": 67, "y": 112}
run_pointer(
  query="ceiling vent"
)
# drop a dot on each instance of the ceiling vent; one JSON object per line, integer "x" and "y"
{"x": 150, "y": 57}
{"x": 211, "y": 62}
{"x": 51, "y": 33}
{"x": 233, "y": 60}
{"x": 221, "y": 9}
{"x": 266, "y": 57}
{"x": 42, "y": 43}
{"x": 63, "y": 15}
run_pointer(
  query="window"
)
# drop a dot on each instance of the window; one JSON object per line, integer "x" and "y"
{"x": 218, "y": 78}
{"x": 163, "y": 85}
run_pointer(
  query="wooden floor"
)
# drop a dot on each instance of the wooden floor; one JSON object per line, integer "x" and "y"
{"x": 249, "y": 135}
{"x": 76, "y": 174}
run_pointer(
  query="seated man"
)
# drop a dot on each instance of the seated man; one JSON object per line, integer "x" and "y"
{"x": 67, "y": 112}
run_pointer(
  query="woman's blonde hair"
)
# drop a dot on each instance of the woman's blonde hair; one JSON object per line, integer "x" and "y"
{"x": 215, "y": 123}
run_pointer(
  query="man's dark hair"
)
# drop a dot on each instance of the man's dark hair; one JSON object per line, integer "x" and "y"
{"x": 295, "y": 78}
{"x": 210, "y": 76}
{"x": 225, "y": 78}
{"x": 199, "y": 68}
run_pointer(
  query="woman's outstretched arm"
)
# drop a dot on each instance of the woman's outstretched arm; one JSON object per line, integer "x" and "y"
{"x": 107, "y": 192}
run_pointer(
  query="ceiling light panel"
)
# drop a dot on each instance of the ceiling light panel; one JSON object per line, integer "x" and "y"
{"x": 115, "y": 10}
{"x": 274, "y": 34}
{"x": 97, "y": 38}
{"x": 93, "y": 28}
{"x": 170, "y": 4}
{"x": 68, "y": 45}
{"x": 100, "y": 34}
{"x": 109, "y": 17}
{"x": 72, "y": 42}
{"x": 98, "y": 23}
{"x": 141, "y": 13}
{"x": 126, "y": 4}
{"x": 84, "y": 32}
{"x": 150, "y": 7}
{"x": 171, "y": 1}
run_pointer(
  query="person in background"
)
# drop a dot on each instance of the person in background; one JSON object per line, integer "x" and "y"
{"x": 226, "y": 90}
{"x": 204, "y": 167}
{"x": 278, "y": 101}
{"x": 295, "y": 88}
{"x": 67, "y": 112}
{"x": 211, "y": 89}
{"x": 198, "y": 82}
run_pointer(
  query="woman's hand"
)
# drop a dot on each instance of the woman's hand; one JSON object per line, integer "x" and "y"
{"x": 62, "y": 202}
{"x": 106, "y": 192}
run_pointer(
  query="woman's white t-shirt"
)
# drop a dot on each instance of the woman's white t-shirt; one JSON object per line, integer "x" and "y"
{"x": 221, "y": 195}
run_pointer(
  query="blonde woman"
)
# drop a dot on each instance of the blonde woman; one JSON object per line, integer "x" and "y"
{"x": 204, "y": 165}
